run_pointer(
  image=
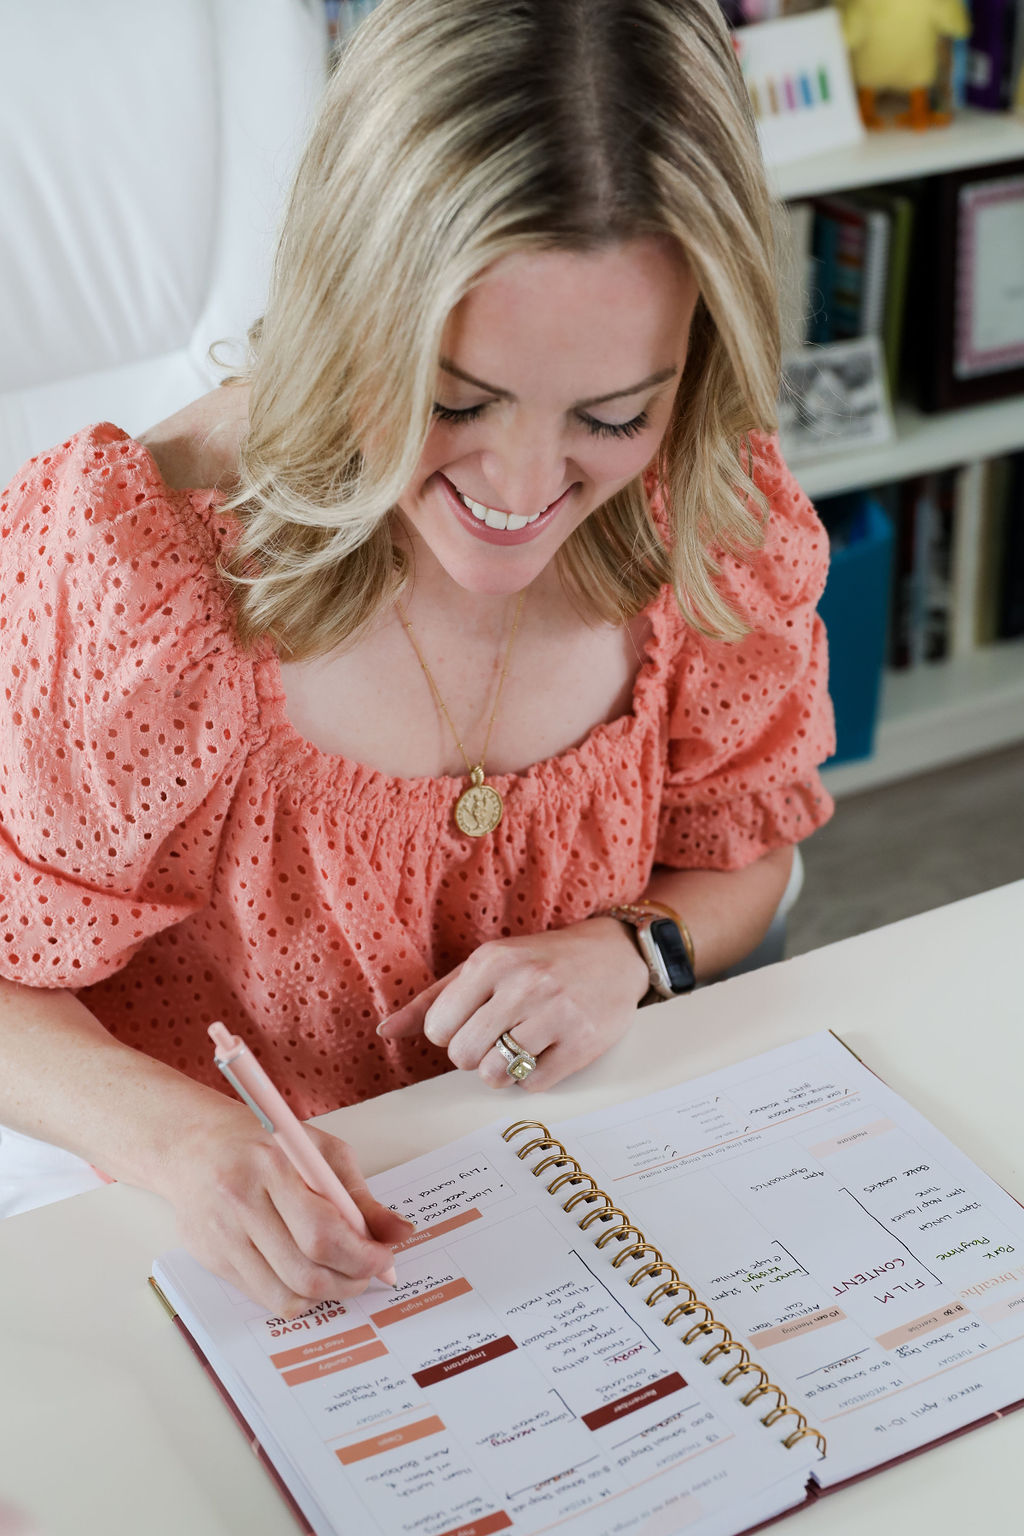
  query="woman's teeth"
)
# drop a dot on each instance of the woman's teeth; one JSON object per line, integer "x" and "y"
{"x": 495, "y": 519}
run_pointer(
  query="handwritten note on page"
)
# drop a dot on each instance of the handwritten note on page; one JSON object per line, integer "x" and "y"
{"x": 872, "y": 1268}
{"x": 514, "y": 1380}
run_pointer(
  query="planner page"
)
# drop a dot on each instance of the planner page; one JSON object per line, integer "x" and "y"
{"x": 512, "y": 1381}
{"x": 873, "y": 1270}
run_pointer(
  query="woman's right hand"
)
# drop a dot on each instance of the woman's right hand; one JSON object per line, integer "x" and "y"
{"x": 244, "y": 1212}
{"x": 242, "y": 1209}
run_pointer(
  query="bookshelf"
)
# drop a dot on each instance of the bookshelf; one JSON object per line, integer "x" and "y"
{"x": 941, "y": 713}
{"x": 896, "y": 154}
{"x": 948, "y": 711}
{"x": 921, "y": 443}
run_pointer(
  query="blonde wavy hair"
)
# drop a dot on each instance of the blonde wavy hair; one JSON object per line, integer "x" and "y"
{"x": 454, "y": 133}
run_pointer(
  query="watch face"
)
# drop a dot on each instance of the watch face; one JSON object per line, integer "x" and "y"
{"x": 673, "y": 952}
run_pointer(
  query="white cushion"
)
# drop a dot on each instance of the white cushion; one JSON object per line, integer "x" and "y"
{"x": 145, "y": 152}
{"x": 34, "y": 1173}
{"x": 146, "y": 148}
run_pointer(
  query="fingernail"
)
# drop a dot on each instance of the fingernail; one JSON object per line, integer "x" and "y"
{"x": 380, "y": 1026}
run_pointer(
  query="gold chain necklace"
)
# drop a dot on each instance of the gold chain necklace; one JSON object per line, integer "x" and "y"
{"x": 479, "y": 808}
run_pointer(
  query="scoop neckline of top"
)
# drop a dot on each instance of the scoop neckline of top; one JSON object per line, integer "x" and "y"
{"x": 649, "y": 675}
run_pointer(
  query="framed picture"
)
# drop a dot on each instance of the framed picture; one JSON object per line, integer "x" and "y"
{"x": 798, "y": 74}
{"x": 834, "y": 398}
{"x": 966, "y": 342}
{"x": 989, "y": 332}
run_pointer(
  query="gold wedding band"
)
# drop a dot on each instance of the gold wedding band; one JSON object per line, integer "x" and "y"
{"x": 518, "y": 1063}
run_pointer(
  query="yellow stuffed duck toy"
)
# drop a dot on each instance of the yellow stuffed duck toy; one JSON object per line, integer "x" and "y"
{"x": 894, "y": 46}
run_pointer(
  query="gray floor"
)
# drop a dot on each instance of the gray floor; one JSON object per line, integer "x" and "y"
{"x": 893, "y": 852}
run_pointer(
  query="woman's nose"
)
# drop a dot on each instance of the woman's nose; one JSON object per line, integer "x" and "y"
{"x": 524, "y": 476}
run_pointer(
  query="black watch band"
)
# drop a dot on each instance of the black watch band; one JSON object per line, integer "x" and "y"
{"x": 664, "y": 944}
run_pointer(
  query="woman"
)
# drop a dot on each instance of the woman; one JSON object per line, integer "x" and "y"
{"x": 359, "y": 692}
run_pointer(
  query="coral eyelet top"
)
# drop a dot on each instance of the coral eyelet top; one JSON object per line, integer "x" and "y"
{"x": 174, "y": 852}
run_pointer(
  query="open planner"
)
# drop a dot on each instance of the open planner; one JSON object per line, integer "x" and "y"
{"x": 687, "y": 1313}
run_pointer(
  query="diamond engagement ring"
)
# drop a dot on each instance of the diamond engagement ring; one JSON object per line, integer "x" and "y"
{"x": 518, "y": 1063}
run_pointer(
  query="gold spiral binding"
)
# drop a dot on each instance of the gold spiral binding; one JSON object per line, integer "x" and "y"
{"x": 743, "y": 1370}
{"x": 602, "y": 1215}
{"x": 710, "y": 1354}
{"x": 806, "y": 1434}
{"x": 589, "y": 1194}
{"x": 670, "y": 1288}
{"x": 780, "y": 1413}
{"x": 522, "y": 1125}
{"x": 541, "y": 1144}
{"x": 687, "y": 1309}
{"x": 648, "y": 1271}
{"x": 634, "y": 1253}
{"x": 666, "y": 1290}
{"x": 556, "y": 1160}
{"x": 752, "y": 1396}
{"x": 700, "y": 1329}
{"x": 571, "y": 1178}
{"x": 620, "y": 1233}
{"x": 728, "y": 1344}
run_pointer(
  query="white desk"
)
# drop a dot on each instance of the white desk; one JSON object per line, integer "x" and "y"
{"x": 108, "y": 1425}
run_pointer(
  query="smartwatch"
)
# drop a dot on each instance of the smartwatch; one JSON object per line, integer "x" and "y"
{"x": 664, "y": 943}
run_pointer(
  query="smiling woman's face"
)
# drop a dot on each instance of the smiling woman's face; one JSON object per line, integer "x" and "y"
{"x": 555, "y": 387}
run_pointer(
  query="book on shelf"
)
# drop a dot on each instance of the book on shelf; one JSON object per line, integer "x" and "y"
{"x": 696, "y": 1310}
{"x": 828, "y": 232}
{"x": 991, "y": 582}
{"x": 1016, "y": 102}
{"x": 965, "y": 576}
{"x": 893, "y": 269}
{"x": 855, "y": 252}
{"x": 793, "y": 226}
{"x": 991, "y": 53}
{"x": 851, "y": 247}
{"x": 988, "y": 558}
{"x": 922, "y": 615}
{"x": 965, "y": 319}
{"x": 958, "y": 579}
{"x": 1010, "y": 625}
{"x": 949, "y": 93}
{"x": 994, "y": 515}
{"x": 934, "y": 268}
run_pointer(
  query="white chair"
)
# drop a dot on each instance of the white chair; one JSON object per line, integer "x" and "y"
{"x": 772, "y": 946}
{"x": 145, "y": 148}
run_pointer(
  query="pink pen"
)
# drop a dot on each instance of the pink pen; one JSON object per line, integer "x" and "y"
{"x": 252, "y": 1084}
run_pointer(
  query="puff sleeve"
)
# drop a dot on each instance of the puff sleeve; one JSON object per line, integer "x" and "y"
{"x": 750, "y": 722}
{"x": 123, "y": 724}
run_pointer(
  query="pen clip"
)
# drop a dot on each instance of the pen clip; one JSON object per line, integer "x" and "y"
{"x": 261, "y": 1114}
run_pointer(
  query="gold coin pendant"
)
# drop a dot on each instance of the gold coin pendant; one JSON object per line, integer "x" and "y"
{"x": 479, "y": 808}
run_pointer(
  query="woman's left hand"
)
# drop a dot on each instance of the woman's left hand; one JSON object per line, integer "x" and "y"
{"x": 566, "y": 996}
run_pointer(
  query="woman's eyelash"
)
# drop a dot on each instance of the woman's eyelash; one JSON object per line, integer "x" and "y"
{"x": 595, "y": 428}
{"x": 619, "y": 429}
{"x": 445, "y": 412}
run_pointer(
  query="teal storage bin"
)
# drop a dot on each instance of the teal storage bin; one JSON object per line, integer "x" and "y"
{"x": 855, "y": 608}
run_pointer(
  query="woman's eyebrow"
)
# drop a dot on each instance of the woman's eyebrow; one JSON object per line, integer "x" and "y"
{"x": 447, "y": 366}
